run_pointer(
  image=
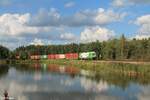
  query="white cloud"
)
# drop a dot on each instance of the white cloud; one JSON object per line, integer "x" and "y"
{"x": 49, "y": 25}
{"x": 91, "y": 34}
{"x": 15, "y": 32}
{"x": 145, "y": 93}
{"x": 83, "y": 18}
{"x": 12, "y": 24}
{"x": 144, "y": 23}
{"x": 15, "y": 25}
{"x": 140, "y": 36}
{"x": 118, "y": 3}
{"x": 12, "y": 42}
{"x": 143, "y": 20}
{"x": 89, "y": 85}
{"x": 104, "y": 17}
{"x": 143, "y": 32}
{"x": 69, "y": 4}
{"x": 45, "y": 18}
{"x": 37, "y": 42}
{"x": 122, "y": 3}
{"x": 68, "y": 36}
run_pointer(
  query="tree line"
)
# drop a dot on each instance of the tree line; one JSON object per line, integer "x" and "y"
{"x": 115, "y": 49}
{"x": 4, "y": 52}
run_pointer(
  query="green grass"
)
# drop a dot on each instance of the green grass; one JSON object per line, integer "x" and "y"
{"x": 101, "y": 67}
{"x": 120, "y": 74}
{"x": 2, "y": 61}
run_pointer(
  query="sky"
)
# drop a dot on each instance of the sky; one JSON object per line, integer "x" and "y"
{"x": 46, "y": 22}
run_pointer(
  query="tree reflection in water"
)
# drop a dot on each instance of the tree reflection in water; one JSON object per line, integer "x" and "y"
{"x": 119, "y": 79}
{"x": 42, "y": 81}
{"x": 3, "y": 70}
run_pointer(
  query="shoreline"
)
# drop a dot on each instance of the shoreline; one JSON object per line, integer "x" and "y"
{"x": 126, "y": 62}
{"x": 86, "y": 61}
{"x": 134, "y": 62}
{"x": 100, "y": 67}
{"x": 3, "y": 61}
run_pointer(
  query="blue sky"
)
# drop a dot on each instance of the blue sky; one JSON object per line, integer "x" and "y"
{"x": 25, "y": 22}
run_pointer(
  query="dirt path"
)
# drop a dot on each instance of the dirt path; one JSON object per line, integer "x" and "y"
{"x": 126, "y": 62}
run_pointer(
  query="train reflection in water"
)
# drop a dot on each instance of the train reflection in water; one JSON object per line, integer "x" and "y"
{"x": 70, "y": 70}
{"x": 54, "y": 82}
{"x": 57, "y": 68}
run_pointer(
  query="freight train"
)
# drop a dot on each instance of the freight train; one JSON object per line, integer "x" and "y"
{"x": 83, "y": 55}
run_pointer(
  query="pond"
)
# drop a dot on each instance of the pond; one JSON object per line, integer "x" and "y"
{"x": 56, "y": 82}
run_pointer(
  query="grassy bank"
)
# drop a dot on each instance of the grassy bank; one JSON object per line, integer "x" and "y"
{"x": 120, "y": 74}
{"x": 3, "y": 61}
{"x": 132, "y": 69}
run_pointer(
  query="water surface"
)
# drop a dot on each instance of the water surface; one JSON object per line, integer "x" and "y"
{"x": 53, "y": 82}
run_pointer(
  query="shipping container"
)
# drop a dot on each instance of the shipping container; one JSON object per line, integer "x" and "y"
{"x": 32, "y": 57}
{"x": 51, "y": 56}
{"x": 56, "y": 56}
{"x": 17, "y": 57}
{"x": 87, "y": 55}
{"x": 61, "y": 56}
{"x": 36, "y": 57}
{"x": 71, "y": 56}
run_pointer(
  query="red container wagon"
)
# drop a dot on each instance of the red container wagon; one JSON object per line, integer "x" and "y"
{"x": 51, "y": 56}
{"x": 61, "y": 56}
{"x": 32, "y": 57}
{"x": 37, "y": 57}
{"x": 71, "y": 56}
{"x": 17, "y": 57}
{"x": 56, "y": 56}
